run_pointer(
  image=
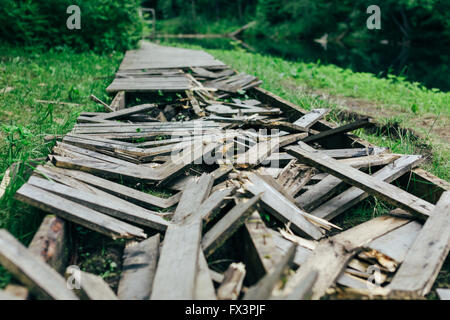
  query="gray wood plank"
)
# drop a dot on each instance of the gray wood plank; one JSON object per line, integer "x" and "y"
{"x": 129, "y": 194}
{"x": 77, "y": 213}
{"x": 428, "y": 252}
{"x": 139, "y": 268}
{"x": 353, "y": 195}
{"x": 32, "y": 271}
{"x": 228, "y": 225}
{"x": 281, "y": 207}
{"x": 110, "y": 205}
{"x": 93, "y": 287}
{"x": 204, "y": 287}
{"x": 331, "y": 185}
{"x": 371, "y": 185}
{"x": 123, "y": 113}
{"x": 332, "y": 255}
{"x": 309, "y": 119}
{"x": 263, "y": 289}
{"x": 180, "y": 248}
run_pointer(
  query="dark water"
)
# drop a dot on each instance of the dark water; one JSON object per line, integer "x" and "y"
{"x": 430, "y": 66}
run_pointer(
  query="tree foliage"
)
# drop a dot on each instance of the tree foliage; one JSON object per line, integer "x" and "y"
{"x": 105, "y": 24}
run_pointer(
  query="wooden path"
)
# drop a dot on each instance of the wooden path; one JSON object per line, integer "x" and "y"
{"x": 249, "y": 173}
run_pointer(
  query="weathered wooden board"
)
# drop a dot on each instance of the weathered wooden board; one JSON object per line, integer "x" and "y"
{"x": 330, "y": 185}
{"x": 444, "y": 294}
{"x": 332, "y": 255}
{"x": 207, "y": 209}
{"x": 352, "y": 196}
{"x": 154, "y": 56}
{"x": 119, "y": 101}
{"x": 49, "y": 243}
{"x": 371, "y": 185}
{"x": 263, "y": 289}
{"x": 231, "y": 285}
{"x": 180, "y": 250}
{"x": 140, "y": 198}
{"x": 257, "y": 153}
{"x": 77, "y": 213}
{"x": 195, "y": 192}
{"x": 155, "y": 83}
{"x": 139, "y": 268}
{"x": 259, "y": 252}
{"x": 123, "y": 113}
{"x": 93, "y": 287}
{"x": 309, "y": 119}
{"x": 110, "y": 205}
{"x": 32, "y": 271}
{"x": 282, "y": 208}
{"x": 428, "y": 252}
{"x": 228, "y": 225}
{"x": 396, "y": 244}
{"x": 204, "y": 287}
{"x": 339, "y": 130}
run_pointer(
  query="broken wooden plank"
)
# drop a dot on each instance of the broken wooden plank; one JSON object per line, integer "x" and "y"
{"x": 110, "y": 205}
{"x": 77, "y": 213}
{"x": 140, "y": 198}
{"x": 371, "y": 185}
{"x": 330, "y": 185}
{"x": 332, "y": 255}
{"x": 124, "y": 113}
{"x": 139, "y": 268}
{"x": 352, "y": 196}
{"x": 282, "y": 208}
{"x": 309, "y": 119}
{"x": 339, "y": 130}
{"x": 227, "y": 110}
{"x": 118, "y": 102}
{"x": 259, "y": 152}
{"x": 444, "y": 294}
{"x": 233, "y": 279}
{"x": 180, "y": 248}
{"x": 228, "y": 225}
{"x": 213, "y": 202}
{"x": 204, "y": 287}
{"x": 303, "y": 291}
{"x": 259, "y": 252}
{"x": 93, "y": 287}
{"x": 49, "y": 242}
{"x": 396, "y": 244}
{"x": 195, "y": 192}
{"x": 39, "y": 277}
{"x": 263, "y": 289}
{"x": 426, "y": 256}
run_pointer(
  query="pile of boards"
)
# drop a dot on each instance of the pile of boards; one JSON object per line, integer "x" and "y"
{"x": 249, "y": 173}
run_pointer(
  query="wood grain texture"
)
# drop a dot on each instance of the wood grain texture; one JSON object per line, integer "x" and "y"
{"x": 428, "y": 252}
{"x": 32, "y": 271}
{"x": 371, "y": 185}
{"x": 139, "y": 268}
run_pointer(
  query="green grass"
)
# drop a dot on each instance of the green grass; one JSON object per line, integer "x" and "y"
{"x": 41, "y": 75}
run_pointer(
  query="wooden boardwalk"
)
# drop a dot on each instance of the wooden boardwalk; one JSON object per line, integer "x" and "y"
{"x": 249, "y": 173}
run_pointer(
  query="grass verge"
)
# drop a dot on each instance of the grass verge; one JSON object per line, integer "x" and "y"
{"x": 27, "y": 75}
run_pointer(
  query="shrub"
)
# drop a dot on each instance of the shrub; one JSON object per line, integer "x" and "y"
{"x": 106, "y": 25}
